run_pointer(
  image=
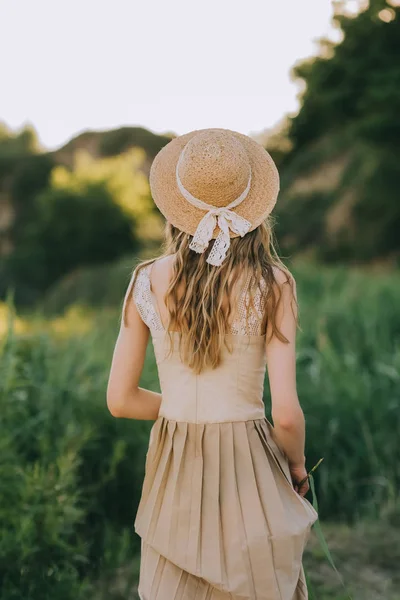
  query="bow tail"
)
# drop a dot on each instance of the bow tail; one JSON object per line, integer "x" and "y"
{"x": 220, "y": 246}
{"x": 203, "y": 233}
{"x": 219, "y": 249}
{"x": 225, "y": 220}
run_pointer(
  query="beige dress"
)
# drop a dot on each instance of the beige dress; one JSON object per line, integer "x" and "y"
{"x": 218, "y": 516}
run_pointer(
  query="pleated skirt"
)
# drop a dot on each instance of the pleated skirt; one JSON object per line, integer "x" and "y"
{"x": 161, "y": 579}
{"x": 219, "y": 517}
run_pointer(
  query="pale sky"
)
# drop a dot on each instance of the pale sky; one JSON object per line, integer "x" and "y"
{"x": 168, "y": 65}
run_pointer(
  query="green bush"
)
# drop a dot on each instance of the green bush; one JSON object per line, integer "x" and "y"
{"x": 31, "y": 176}
{"x": 101, "y": 286}
{"x": 71, "y": 474}
{"x": 70, "y": 229}
{"x": 348, "y": 382}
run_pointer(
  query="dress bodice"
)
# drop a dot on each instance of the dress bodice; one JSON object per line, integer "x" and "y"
{"x": 231, "y": 392}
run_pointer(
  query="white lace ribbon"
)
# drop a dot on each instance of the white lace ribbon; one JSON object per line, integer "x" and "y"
{"x": 224, "y": 217}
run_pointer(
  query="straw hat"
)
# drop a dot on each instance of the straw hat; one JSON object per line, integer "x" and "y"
{"x": 214, "y": 183}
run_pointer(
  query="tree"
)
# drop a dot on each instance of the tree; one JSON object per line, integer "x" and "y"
{"x": 358, "y": 85}
{"x": 70, "y": 229}
{"x": 342, "y": 173}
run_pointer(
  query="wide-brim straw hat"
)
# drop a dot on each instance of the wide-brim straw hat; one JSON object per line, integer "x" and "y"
{"x": 214, "y": 168}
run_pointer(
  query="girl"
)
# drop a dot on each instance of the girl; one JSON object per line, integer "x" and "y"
{"x": 221, "y": 514}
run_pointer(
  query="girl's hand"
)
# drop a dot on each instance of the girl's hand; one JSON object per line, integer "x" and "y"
{"x": 298, "y": 473}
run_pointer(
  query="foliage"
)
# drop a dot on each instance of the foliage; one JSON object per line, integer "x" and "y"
{"x": 17, "y": 144}
{"x": 348, "y": 377}
{"x": 101, "y": 286}
{"x": 348, "y": 374}
{"x": 70, "y": 229}
{"x": 71, "y": 218}
{"x": 72, "y": 474}
{"x": 348, "y": 110}
{"x": 358, "y": 84}
{"x": 23, "y": 170}
{"x": 43, "y": 195}
{"x": 31, "y": 176}
{"x": 62, "y": 462}
{"x": 120, "y": 175}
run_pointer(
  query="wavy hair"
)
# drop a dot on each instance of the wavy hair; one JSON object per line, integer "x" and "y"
{"x": 199, "y": 296}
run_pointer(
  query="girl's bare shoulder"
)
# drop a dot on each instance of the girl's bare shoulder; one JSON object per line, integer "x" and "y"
{"x": 163, "y": 266}
{"x": 282, "y": 276}
{"x": 161, "y": 273}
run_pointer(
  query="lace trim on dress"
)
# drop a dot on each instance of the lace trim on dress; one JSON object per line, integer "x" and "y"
{"x": 248, "y": 319}
{"x": 250, "y": 316}
{"x": 143, "y": 297}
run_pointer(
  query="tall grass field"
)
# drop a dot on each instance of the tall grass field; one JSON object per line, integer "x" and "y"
{"x": 71, "y": 474}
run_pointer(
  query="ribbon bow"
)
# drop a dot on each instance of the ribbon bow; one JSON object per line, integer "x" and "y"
{"x": 226, "y": 220}
{"x": 223, "y": 216}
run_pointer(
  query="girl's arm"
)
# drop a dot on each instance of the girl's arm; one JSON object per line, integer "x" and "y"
{"x": 287, "y": 414}
{"x": 124, "y": 396}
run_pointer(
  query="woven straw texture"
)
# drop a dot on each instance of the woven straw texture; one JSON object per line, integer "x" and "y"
{"x": 215, "y": 169}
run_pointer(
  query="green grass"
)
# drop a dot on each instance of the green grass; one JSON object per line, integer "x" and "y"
{"x": 366, "y": 555}
{"x": 71, "y": 474}
{"x": 348, "y": 383}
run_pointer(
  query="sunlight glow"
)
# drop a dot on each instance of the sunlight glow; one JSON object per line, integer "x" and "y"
{"x": 387, "y": 15}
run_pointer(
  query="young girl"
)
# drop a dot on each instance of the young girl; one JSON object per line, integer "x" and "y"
{"x": 221, "y": 514}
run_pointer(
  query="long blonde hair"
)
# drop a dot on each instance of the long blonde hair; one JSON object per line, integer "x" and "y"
{"x": 199, "y": 295}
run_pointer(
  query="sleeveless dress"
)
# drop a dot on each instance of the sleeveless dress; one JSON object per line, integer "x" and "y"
{"x": 218, "y": 516}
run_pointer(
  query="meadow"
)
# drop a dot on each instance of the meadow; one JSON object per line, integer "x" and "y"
{"x": 71, "y": 474}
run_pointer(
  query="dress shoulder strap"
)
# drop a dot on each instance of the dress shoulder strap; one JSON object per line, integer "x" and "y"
{"x": 144, "y": 299}
{"x": 249, "y": 310}
{"x": 249, "y": 314}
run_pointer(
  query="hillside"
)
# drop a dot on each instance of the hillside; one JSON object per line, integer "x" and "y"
{"x": 25, "y": 169}
{"x": 101, "y": 144}
{"x": 325, "y": 210}
{"x": 100, "y": 175}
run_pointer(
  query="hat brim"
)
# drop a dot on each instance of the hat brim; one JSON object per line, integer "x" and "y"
{"x": 179, "y": 212}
